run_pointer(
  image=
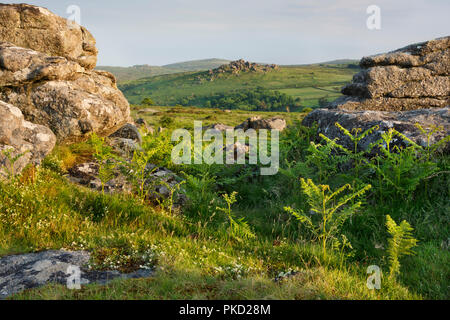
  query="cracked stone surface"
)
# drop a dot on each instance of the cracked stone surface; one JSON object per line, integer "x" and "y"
{"x": 32, "y": 270}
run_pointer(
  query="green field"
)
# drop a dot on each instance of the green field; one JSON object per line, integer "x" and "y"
{"x": 185, "y": 117}
{"x": 311, "y": 95}
{"x": 309, "y": 83}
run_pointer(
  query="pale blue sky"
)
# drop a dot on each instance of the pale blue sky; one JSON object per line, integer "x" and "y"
{"x": 158, "y": 32}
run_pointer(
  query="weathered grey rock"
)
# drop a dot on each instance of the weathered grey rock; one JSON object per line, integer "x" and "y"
{"x": 19, "y": 137}
{"x": 124, "y": 147}
{"x": 350, "y": 103}
{"x": 46, "y": 70}
{"x": 403, "y": 122}
{"x": 83, "y": 173}
{"x": 158, "y": 182}
{"x": 433, "y": 54}
{"x": 39, "y": 29}
{"x": 236, "y": 150}
{"x": 86, "y": 174}
{"x": 246, "y": 124}
{"x": 147, "y": 110}
{"x": 238, "y": 66}
{"x": 393, "y": 81}
{"x": 409, "y": 78}
{"x": 26, "y": 271}
{"x": 141, "y": 122}
{"x": 143, "y": 125}
{"x": 128, "y": 131}
{"x": 20, "y": 66}
{"x": 218, "y": 127}
{"x": 275, "y": 123}
{"x": 435, "y": 87}
{"x": 396, "y": 89}
{"x": 61, "y": 95}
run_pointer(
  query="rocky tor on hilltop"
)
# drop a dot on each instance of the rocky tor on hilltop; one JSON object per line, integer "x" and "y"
{"x": 240, "y": 66}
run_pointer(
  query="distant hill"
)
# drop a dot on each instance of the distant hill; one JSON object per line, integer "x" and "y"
{"x": 124, "y": 74}
{"x": 307, "y": 84}
{"x": 197, "y": 65}
{"x": 341, "y": 61}
{"x": 338, "y": 62}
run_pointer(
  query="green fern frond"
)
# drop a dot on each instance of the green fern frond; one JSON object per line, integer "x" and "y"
{"x": 369, "y": 131}
{"x": 334, "y": 144}
{"x": 328, "y": 216}
{"x": 400, "y": 243}
{"x": 238, "y": 228}
{"x": 350, "y": 197}
{"x": 302, "y": 217}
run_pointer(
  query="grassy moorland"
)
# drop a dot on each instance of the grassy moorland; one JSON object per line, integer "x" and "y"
{"x": 184, "y": 117}
{"x": 272, "y": 228}
{"x": 309, "y": 82}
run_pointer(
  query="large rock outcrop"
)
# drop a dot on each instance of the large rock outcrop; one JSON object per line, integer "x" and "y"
{"x": 39, "y": 29}
{"x": 241, "y": 65}
{"x": 400, "y": 88}
{"x": 51, "y": 80}
{"x": 414, "y": 77}
{"x": 27, "y": 141}
{"x": 403, "y": 122}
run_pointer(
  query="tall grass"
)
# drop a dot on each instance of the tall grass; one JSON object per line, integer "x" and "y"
{"x": 194, "y": 248}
